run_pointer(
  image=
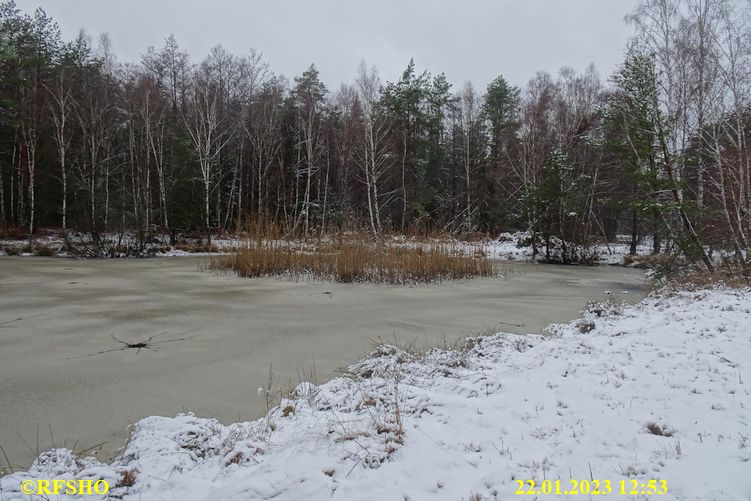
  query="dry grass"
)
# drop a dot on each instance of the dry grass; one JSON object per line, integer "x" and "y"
{"x": 127, "y": 478}
{"x": 352, "y": 261}
{"x": 674, "y": 271}
{"x": 662, "y": 431}
{"x": 237, "y": 458}
{"x": 263, "y": 228}
{"x": 701, "y": 279}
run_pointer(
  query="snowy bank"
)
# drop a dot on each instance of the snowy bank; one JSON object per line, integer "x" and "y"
{"x": 515, "y": 246}
{"x": 660, "y": 390}
{"x": 518, "y": 247}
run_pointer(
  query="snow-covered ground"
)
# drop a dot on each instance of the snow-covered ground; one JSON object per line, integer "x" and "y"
{"x": 115, "y": 245}
{"x": 613, "y": 253}
{"x": 468, "y": 424}
{"x": 516, "y": 247}
{"x": 507, "y": 246}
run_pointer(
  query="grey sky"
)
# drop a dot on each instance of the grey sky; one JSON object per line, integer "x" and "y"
{"x": 468, "y": 40}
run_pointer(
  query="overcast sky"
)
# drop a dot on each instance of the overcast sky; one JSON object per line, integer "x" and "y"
{"x": 468, "y": 40}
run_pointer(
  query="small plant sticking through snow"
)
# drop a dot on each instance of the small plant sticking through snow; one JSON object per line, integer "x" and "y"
{"x": 662, "y": 431}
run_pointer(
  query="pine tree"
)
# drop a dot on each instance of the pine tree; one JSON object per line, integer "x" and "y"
{"x": 501, "y": 109}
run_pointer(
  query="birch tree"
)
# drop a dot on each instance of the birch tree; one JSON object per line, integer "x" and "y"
{"x": 373, "y": 154}
{"x": 206, "y": 132}
{"x": 265, "y": 133}
{"x": 470, "y": 107}
{"x": 61, "y": 109}
{"x": 308, "y": 96}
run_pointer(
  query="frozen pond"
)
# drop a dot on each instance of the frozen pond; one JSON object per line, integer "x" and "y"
{"x": 64, "y": 376}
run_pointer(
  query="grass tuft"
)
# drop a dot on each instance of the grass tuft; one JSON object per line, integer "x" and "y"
{"x": 127, "y": 478}
{"x": 662, "y": 431}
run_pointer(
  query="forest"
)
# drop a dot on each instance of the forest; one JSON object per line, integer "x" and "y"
{"x": 169, "y": 145}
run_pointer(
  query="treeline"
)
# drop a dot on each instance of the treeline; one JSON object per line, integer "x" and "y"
{"x": 164, "y": 144}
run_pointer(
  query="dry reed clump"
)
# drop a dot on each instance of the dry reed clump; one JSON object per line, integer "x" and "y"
{"x": 355, "y": 261}
{"x": 662, "y": 431}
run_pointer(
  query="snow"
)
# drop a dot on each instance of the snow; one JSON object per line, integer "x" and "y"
{"x": 613, "y": 253}
{"x": 517, "y": 247}
{"x": 115, "y": 245}
{"x": 507, "y": 246}
{"x": 467, "y": 423}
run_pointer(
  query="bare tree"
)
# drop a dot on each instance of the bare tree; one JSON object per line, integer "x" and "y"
{"x": 470, "y": 108}
{"x": 264, "y": 130}
{"x": 205, "y": 129}
{"x": 536, "y": 139}
{"x": 95, "y": 116}
{"x": 727, "y": 102}
{"x": 154, "y": 119}
{"x": 250, "y": 73}
{"x": 61, "y": 109}
{"x": 373, "y": 155}
{"x": 658, "y": 24}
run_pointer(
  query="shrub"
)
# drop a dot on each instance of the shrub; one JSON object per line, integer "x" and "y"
{"x": 196, "y": 247}
{"x": 12, "y": 250}
{"x": 14, "y": 233}
{"x": 44, "y": 251}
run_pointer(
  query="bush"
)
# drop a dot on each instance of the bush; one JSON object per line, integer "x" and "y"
{"x": 45, "y": 251}
{"x": 196, "y": 247}
{"x": 665, "y": 267}
{"x": 14, "y": 233}
{"x": 12, "y": 251}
